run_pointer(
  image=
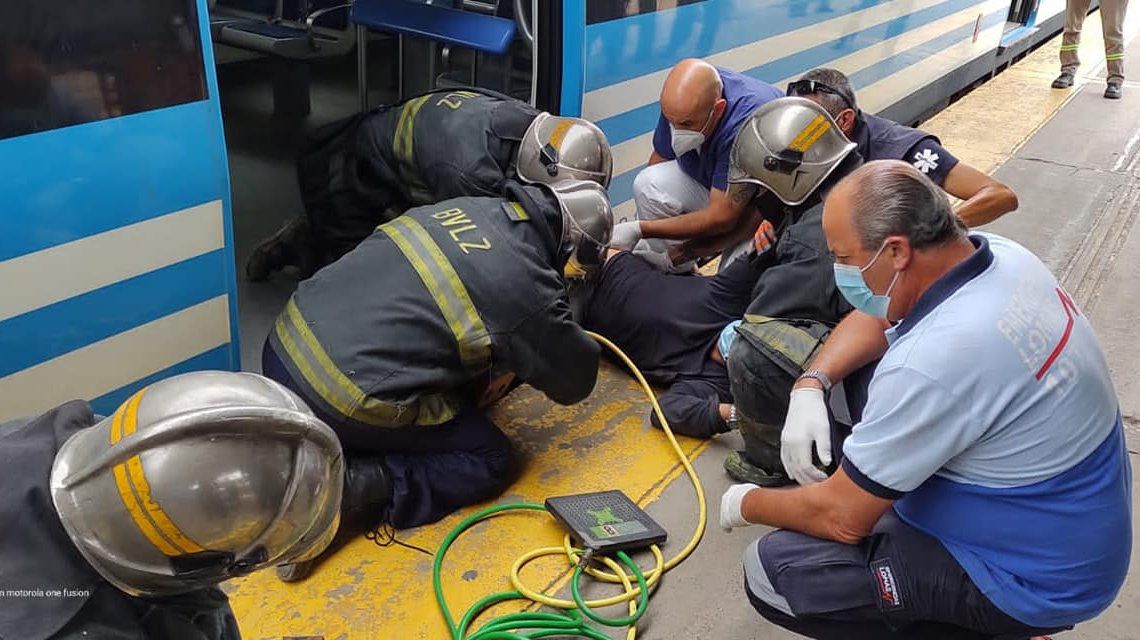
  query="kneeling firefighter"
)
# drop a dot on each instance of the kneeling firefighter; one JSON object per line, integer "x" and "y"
{"x": 368, "y": 169}
{"x": 399, "y": 344}
{"x": 127, "y": 523}
{"x": 794, "y": 306}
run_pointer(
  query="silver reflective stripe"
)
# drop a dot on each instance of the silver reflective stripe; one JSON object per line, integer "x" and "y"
{"x": 445, "y": 287}
{"x": 327, "y": 380}
{"x": 758, "y": 582}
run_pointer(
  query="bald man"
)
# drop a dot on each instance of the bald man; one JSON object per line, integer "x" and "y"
{"x": 684, "y": 194}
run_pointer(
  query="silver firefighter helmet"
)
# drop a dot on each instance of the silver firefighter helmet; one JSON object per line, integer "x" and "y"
{"x": 587, "y": 222}
{"x": 556, "y": 148}
{"x": 197, "y": 479}
{"x": 788, "y": 146}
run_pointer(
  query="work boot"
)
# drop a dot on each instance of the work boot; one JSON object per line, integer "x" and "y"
{"x": 759, "y": 463}
{"x": 1114, "y": 91}
{"x": 289, "y": 246}
{"x": 1063, "y": 81}
{"x": 366, "y": 497}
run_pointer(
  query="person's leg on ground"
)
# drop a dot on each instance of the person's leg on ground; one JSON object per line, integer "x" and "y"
{"x": 663, "y": 191}
{"x": 437, "y": 470}
{"x": 692, "y": 404}
{"x": 1112, "y": 13}
{"x": 1075, "y": 12}
{"x": 897, "y": 583}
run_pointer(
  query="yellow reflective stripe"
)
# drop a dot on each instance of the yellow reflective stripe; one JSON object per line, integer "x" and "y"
{"x": 811, "y": 133}
{"x": 793, "y": 342}
{"x": 403, "y": 144}
{"x": 444, "y": 285}
{"x": 326, "y": 378}
{"x": 1070, "y": 47}
{"x": 1114, "y": 56}
{"x": 520, "y": 213}
{"x": 559, "y": 134}
{"x": 134, "y": 490}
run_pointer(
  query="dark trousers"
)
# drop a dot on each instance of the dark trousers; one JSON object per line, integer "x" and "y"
{"x": 898, "y": 583}
{"x": 433, "y": 470}
{"x": 691, "y": 404}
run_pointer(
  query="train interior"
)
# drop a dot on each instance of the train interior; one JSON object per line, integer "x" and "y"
{"x": 271, "y": 101}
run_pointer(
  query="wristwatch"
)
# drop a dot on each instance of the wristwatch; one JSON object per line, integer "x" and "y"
{"x": 818, "y": 375}
{"x": 733, "y": 418}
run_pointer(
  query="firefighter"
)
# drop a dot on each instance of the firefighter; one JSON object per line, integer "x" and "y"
{"x": 121, "y": 527}
{"x": 783, "y": 288}
{"x": 368, "y": 169}
{"x": 399, "y": 344}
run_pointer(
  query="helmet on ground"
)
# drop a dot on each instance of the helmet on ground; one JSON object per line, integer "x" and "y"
{"x": 556, "y": 148}
{"x": 197, "y": 479}
{"x": 788, "y": 146}
{"x": 587, "y": 222}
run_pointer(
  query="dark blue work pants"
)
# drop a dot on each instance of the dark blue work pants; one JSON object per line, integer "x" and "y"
{"x": 433, "y": 470}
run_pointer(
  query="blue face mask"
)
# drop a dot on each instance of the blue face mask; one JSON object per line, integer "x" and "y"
{"x": 849, "y": 280}
{"x": 727, "y": 336}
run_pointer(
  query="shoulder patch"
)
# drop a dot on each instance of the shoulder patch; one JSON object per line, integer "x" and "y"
{"x": 515, "y": 212}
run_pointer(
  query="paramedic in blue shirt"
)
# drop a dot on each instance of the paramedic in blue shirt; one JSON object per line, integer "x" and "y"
{"x": 684, "y": 194}
{"x": 986, "y": 491}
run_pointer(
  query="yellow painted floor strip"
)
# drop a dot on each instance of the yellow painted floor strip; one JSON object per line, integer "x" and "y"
{"x": 370, "y": 593}
{"x": 989, "y": 124}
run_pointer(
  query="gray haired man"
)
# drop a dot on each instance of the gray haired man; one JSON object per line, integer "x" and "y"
{"x": 942, "y": 520}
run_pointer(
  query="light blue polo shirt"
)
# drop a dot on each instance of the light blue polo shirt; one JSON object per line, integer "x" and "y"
{"x": 993, "y": 422}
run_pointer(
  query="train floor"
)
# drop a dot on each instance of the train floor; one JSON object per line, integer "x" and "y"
{"x": 1072, "y": 157}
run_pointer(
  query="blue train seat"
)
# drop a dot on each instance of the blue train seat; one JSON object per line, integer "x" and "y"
{"x": 422, "y": 20}
{"x": 293, "y": 32}
{"x": 448, "y": 26}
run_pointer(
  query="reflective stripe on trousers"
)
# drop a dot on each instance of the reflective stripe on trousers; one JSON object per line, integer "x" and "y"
{"x": 1112, "y": 14}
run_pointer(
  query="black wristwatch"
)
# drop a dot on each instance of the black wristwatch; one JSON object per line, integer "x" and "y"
{"x": 818, "y": 375}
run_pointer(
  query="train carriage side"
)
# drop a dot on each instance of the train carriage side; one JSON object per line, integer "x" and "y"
{"x": 904, "y": 56}
{"x": 116, "y": 260}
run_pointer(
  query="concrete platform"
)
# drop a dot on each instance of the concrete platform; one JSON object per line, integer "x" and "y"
{"x": 1072, "y": 157}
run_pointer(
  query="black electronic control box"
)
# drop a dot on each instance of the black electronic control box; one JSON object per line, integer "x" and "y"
{"x": 606, "y": 521}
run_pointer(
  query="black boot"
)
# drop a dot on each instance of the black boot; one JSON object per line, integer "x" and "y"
{"x": 1064, "y": 81}
{"x": 366, "y": 497}
{"x": 759, "y": 463}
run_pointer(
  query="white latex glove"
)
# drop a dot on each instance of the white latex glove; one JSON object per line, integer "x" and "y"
{"x": 730, "y": 506}
{"x": 625, "y": 235}
{"x": 807, "y": 426}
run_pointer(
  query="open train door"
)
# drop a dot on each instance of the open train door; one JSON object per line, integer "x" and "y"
{"x": 116, "y": 261}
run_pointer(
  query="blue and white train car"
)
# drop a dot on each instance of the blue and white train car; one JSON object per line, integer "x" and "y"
{"x": 116, "y": 266}
{"x": 903, "y": 56}
{"x": 116, "y": 250}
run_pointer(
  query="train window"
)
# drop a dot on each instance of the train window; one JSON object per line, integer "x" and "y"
{"x": 67, "y": 62}
{"x": 603, "y": 10}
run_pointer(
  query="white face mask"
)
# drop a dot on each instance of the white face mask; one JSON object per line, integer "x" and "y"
{"x": 685, "y": 141}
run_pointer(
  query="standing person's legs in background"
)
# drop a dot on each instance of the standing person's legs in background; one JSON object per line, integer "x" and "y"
{"x": 664, "y": 191}
{"x": 1112, "y": 13}
{"x": 1075, "y": 12}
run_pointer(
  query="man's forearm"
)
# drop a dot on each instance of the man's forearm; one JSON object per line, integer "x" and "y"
{"x": 857, "y": 341}
{"x": 987, "y": 205}
{"x": 701, "y": 223}
{"x": 799, "y": 509}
